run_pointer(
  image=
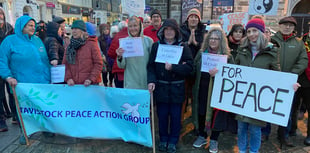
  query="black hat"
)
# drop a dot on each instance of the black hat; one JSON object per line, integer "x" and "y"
{"x": 155, "y": 12}
{"x": 58, "y": 19}
{"x": 288, "y": 19}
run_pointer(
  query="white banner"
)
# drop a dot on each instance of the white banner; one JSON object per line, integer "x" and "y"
{"x": 257, "y": 93}
{"x": 263, "y": 7}
{"x": 169, "y": 53}
{"x": 133, "y": 7}
{"x": 133, "y": 46}
{"x": 210, "y": 61}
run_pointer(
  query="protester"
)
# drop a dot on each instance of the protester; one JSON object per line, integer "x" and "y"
{"x": 61, "y": 21}
{"x": 234, "y": 37}
{"x": 167, "y": 82}
{"x": 104, "y": 43}
{"x": 152, "y": 29}
{"x": 23, "y": 57}
{"x": 54, "y": 44}
{"x": 254, "y": 51}
{"x": 114, "y": 30}
{"x": 147, "y": 21}
{"x": 135, "y": 67}
{"x": 118, "y": 72}
{"x": 304, "y": 90}
{"x": 214, "y": 43}
{"x": 82, "y": 58}
{"x": 192, "y": 33}
{"x": 5, "y": 30}
{"x": 293, "y": 59}
{"x": 41, "y": 30}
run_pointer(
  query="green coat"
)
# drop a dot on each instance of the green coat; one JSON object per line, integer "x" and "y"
{"x": 197, "y": 72}
{"x": 265, "y": 59}
{"x": 293, "y": 55}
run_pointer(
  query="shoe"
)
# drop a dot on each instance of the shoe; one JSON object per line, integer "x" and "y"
{"x": 171, "y": 148}
{"x": 3, "y": 126}
{"x": 286, "y": 143}
{"x": 200, "y": 141}
{"x": 14, "y": 120}
{"x": 162, "y": 146}
{"x": 213, "y": 146}
{"x": 264, "y": 138}
{"x": 22, "y": 140}
{"x": 307, "y": 141}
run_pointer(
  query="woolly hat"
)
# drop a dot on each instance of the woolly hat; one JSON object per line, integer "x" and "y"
{"x": 193, "y": 11}
{"x": 256, "y": 23}
{"x": 91, "y": 29}
{"x": 58, "y": 19}
{"x": 79, "y": 24}
{"x": 155, "y": 12}
{"x": 288, "y": 19}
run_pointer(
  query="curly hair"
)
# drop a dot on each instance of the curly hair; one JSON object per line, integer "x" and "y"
{"x": 223, "y": 46}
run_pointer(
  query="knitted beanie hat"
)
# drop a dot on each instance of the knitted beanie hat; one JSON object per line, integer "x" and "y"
{"x": 194, "y": 11}
{"x": 91, "y": 29}
{"x": 79, "y": 24}
{"x": 256, "y": 23}
{"x": 155, "y": 12}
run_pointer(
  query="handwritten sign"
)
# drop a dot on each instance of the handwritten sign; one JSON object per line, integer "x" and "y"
{"x": 58, "y": 74}
{"x": 229, "y": 19}
{"x": 257, "y": 93}
{"x": 210, "y": 61}
{"x": 133, "y": 7}
{"x": 133, "y": 46}
{"x": 169, "y": 53}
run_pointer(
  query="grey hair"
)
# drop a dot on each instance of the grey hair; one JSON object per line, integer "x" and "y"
{"x": 122, "y": 25}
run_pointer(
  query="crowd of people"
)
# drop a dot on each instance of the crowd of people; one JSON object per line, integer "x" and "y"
{"x": 90, "y": 60}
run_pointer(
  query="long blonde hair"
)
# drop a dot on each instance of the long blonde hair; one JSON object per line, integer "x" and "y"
{"x": 223, "y": 46}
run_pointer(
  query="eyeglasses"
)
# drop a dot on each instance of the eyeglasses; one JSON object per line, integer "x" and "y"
{"x": 290, "y": 25}
{"x": 214, "y": 39}
{"x": 146, "y": 22}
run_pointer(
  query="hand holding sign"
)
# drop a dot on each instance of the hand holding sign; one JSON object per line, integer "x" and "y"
{"x": 120, "y": 51}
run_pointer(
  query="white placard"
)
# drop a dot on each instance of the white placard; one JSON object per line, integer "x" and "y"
{"x": 257, "y": 93}
{"x": 133, "y": 7}
{"x": 229, "y": 19}
{"x": 210, "y": 61}
{"x": 263, "y": 7}
{"x": 169, "y": 53}
{"x": 58, "y": 73}
{"x": 133, "y": 46}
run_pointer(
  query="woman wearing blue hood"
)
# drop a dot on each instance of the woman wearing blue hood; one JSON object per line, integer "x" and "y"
{"x": 167, "y": 82}
{"x": 23, "y": 57}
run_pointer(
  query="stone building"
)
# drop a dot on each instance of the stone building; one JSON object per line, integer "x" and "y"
{"x": 297, "y": 8}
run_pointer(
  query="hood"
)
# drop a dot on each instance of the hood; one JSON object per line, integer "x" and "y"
{"x": 52, "y": 29}
{"x": 141, "y": 30}
{"x": 20, "y": 24}
{"x": 169, "y": 23}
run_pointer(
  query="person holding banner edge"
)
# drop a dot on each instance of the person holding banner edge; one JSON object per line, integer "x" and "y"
{"x": 135, "y": 75}
{"x": 215, "y": 42}
{"x": 293, "y": 59}
{"x": 255, "y": 51}
{"x": 23, "y": 57}
{"x": 167, "y": 82}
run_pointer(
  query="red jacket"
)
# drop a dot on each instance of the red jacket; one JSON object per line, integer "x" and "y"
{"x": 151, "y": 32}
{"x": 88, "y": 63}
{"x": 112, "y": 50}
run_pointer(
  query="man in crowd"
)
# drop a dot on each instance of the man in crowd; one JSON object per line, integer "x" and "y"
{"x": 152, "y": 29}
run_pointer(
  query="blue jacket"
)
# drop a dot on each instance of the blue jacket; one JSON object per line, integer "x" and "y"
{"x": 24, "y": 58}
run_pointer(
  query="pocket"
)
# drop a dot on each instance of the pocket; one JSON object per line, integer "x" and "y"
{"x": 161, "y": 93}
{"x": 178, "y": 92}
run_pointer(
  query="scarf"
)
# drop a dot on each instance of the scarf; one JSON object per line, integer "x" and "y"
{"x": 74, "y": 45}
{"x": 285, "y": 37}
{"x": 233, "y": 40}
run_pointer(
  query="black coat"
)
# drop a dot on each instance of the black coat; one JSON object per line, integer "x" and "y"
{"x": 199, "y": 35}
{"x": 53, "y": 43}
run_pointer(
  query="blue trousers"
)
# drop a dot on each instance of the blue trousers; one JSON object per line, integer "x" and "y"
{"x": 169, "y": 112}
{"x": 255, "y": 137}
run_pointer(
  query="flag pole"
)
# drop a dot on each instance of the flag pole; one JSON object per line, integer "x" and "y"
{"x": 153, "y": 124}
{"x": 20, "y": 116}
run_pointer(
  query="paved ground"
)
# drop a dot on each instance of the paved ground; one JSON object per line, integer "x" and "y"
{"x": 62, "y": 144}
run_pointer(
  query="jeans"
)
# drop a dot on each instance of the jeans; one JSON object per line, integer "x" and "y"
{"x": 169, "y": 112}
{"x": 254, "y": 133}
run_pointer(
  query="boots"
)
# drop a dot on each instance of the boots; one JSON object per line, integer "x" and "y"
{"x": 3, "y": 126}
